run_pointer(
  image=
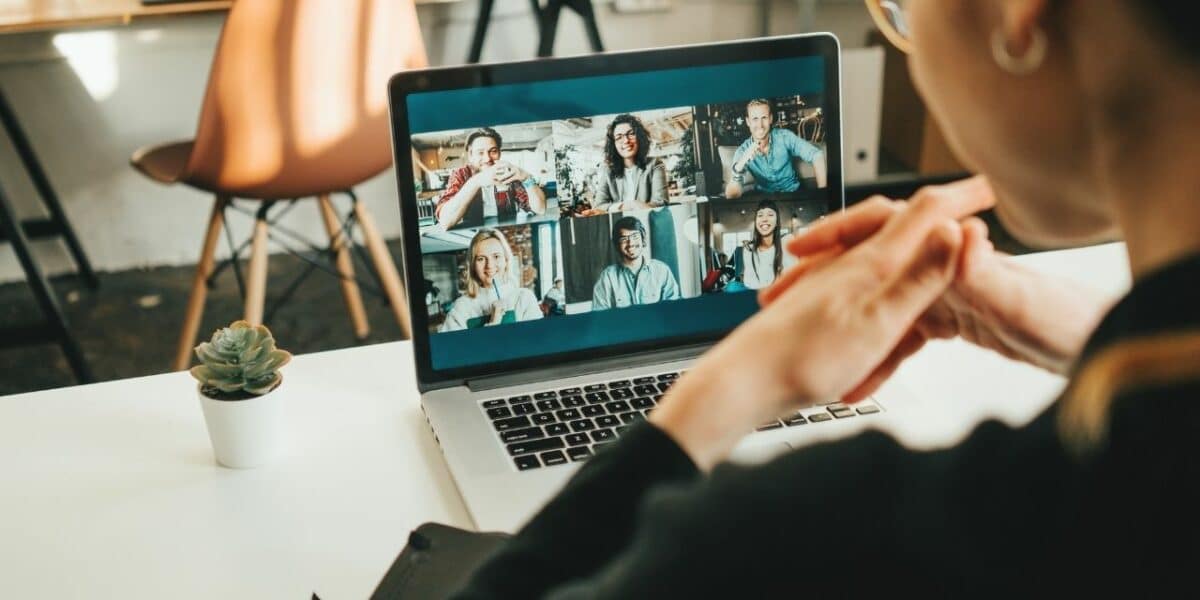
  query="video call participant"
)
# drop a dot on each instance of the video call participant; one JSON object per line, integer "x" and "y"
{"x": 759, "y": 261}
{"x": 632, "y": 180}
{"x": 484, "y": 168}
{"x": 493, "y": 295}
{"x": 636, "y": 280}
{"x": 768, "y": 155}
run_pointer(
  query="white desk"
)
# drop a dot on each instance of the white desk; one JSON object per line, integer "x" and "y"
{"x": 110, "y": 490}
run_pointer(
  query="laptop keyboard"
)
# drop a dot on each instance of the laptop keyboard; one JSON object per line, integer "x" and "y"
{"x": 555, "y": 427}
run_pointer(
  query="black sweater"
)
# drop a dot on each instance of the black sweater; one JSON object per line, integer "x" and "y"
{"x": 1006, "y": 511}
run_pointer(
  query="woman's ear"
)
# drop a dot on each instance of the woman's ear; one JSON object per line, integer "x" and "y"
{"x": 1019, "y": 19}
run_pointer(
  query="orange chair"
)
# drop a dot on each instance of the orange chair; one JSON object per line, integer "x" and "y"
{"x": 296, "y": 107}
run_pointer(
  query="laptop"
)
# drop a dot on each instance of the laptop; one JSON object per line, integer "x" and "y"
{"x": 543, "y": 333}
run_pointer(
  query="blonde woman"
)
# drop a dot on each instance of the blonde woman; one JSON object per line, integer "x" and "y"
{"x": 493, "y": 293}
{"x": 1083, "y": 116}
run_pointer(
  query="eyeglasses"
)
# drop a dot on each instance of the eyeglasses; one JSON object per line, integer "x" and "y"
{"x": 891, "y": 17}
{"x": 630, "y": 135}
{"x": 631, "y": 239}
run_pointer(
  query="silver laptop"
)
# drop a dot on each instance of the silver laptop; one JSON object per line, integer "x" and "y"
{"x": 576, "y": 233}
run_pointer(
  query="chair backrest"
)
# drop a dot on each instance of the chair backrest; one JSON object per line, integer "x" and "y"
{"x": 296, "y": 103}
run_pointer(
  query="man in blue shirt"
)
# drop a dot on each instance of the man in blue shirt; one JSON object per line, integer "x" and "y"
{"x": 768, "y": 155}
{"x": 636, "y": 280}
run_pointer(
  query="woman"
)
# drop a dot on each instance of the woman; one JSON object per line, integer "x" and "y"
{"x": 493, "y": 295}
{"x": 758, "y": 262}
{"x": 633, "y": 181}
{"x": 1083, "y": 117}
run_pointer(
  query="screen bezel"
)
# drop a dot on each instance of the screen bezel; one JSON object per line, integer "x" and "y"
{"x": 824, "y": 45}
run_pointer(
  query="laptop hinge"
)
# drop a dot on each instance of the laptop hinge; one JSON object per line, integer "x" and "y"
{"x": 603, "y": 365}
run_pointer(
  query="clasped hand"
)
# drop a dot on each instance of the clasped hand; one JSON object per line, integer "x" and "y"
{"x": 872, "y": 285}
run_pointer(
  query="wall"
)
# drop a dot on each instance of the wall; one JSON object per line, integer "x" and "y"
{"x": 88, "y": 99}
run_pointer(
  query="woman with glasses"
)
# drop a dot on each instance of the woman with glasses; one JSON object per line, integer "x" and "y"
{"x": 493, "y": 293}
{"x": 631, "y": 180}
{"x": 1081, "y": 117}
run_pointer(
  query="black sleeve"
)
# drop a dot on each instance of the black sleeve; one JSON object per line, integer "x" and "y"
{"x": 856, "y": 515}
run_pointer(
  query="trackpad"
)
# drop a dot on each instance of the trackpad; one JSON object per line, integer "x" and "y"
{"x": 757, "y": 453}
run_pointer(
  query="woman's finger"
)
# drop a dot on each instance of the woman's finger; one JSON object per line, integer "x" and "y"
{"x": 793, "y": 274}
{"x": 847, "y": 228}
{"x": 908, "y": 293}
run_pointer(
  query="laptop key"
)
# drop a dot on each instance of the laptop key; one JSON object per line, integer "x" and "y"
{"x": 619, "y": 406}
{"x": 869, "y": 409}
{"x": 769, "y": 425}
{"x": 794, "y": 420}
{"x": 557, "y": 429}
{"x": 643, "y": 402}
{"x": 631, "y": 417}
{"x": 527, "y": 462}
{"x": 620, "y": 394}
{"x": 841, "y": 411}
{"x": 545, "y": 395}
{"x": 571, "y": 391}
{"x": 603, "y": 435}
{"x": 620, "y": 383}
{"x": 819, "y": 418}
{"x": 554, "y": 457}
{"x": 494, "y": 403}
{"x": 596, "y": 397}
{"x": 582, "y": 425}
{"x": 513, "y": 423}
{"x": 522, "y": 435}
{"x": 595, "y": 387}
{"x": 543, "y": 419}
{"x": 537, "y": 445}
{"x": 516, "y": 399}
{"x": 523, "y": 408}
{"x": 668, "y": 377}
{"x": 621, "y": 429}
{"x": 663, "y": 386}
{"x": 592, "y": 410}
{"x": 643, "y": 380}
{"x": 568, "y": 414}
{"x": 607, "y": 421}
{"x": 500, "y": 412}
{"x": 548, "y": 404}
{"x": 645, "y": 390}
{"x": 573, "y": 401}
{"x": 578, "y": 453}
{"x": 576, "y": 439}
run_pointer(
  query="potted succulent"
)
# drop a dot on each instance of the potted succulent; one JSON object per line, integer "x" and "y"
{"x": 239, "y": 393}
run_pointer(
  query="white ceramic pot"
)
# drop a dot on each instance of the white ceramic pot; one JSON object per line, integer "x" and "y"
{"x": 245, "y": 433}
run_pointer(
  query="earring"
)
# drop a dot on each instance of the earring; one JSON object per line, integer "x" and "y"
{"x": 1020, "y": 65}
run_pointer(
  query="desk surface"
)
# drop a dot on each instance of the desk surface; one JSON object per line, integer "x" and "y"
{"x": 32, "y": 15}
{"x": 110, "y": 490}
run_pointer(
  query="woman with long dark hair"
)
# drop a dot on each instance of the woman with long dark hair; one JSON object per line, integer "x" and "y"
{"x": 758, "y": 262}
{"x": 631, "y": 179}
{"x": 1081, "y": 117}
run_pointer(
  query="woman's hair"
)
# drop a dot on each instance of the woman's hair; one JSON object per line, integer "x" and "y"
{"x": 775, "y": 235}
{"x": 616, "y": 164}
{"x": 1160, "y": 360}
{"x": 473, "y": 282}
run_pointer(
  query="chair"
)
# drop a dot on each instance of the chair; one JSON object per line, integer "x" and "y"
{"x": 296, "y": 107}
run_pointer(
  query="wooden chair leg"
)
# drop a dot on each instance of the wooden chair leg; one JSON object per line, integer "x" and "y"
{"x": 386, "y": 268}
{"x": 345, "y": 267}
{"x": 195, "y": 305}
{"x": 256, "y": 277}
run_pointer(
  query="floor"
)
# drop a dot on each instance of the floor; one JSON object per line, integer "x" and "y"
{"x": 129, "y": 326}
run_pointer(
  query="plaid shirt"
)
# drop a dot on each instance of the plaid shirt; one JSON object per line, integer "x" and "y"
{"x": 505, "y": 208}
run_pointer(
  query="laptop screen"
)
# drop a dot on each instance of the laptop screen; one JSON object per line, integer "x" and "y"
{"x": 590, "y": 215}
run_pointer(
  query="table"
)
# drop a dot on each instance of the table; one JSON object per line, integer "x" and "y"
{"x": 110, "y": 490}
{"x": 34, "y": 15}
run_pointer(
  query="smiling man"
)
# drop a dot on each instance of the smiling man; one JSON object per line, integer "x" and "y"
{"x": 768, "y": 155}
{"x": 502, "y": 187}
{"x": 636, "y": 280}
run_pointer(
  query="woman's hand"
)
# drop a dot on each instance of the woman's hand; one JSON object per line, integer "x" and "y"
{"x": 826, "y": 331}
{"x": 497, "y": 313}
{"x": 994, "y": 302}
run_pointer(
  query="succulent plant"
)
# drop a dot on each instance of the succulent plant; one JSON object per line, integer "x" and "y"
{"x": 239, "y": 358}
